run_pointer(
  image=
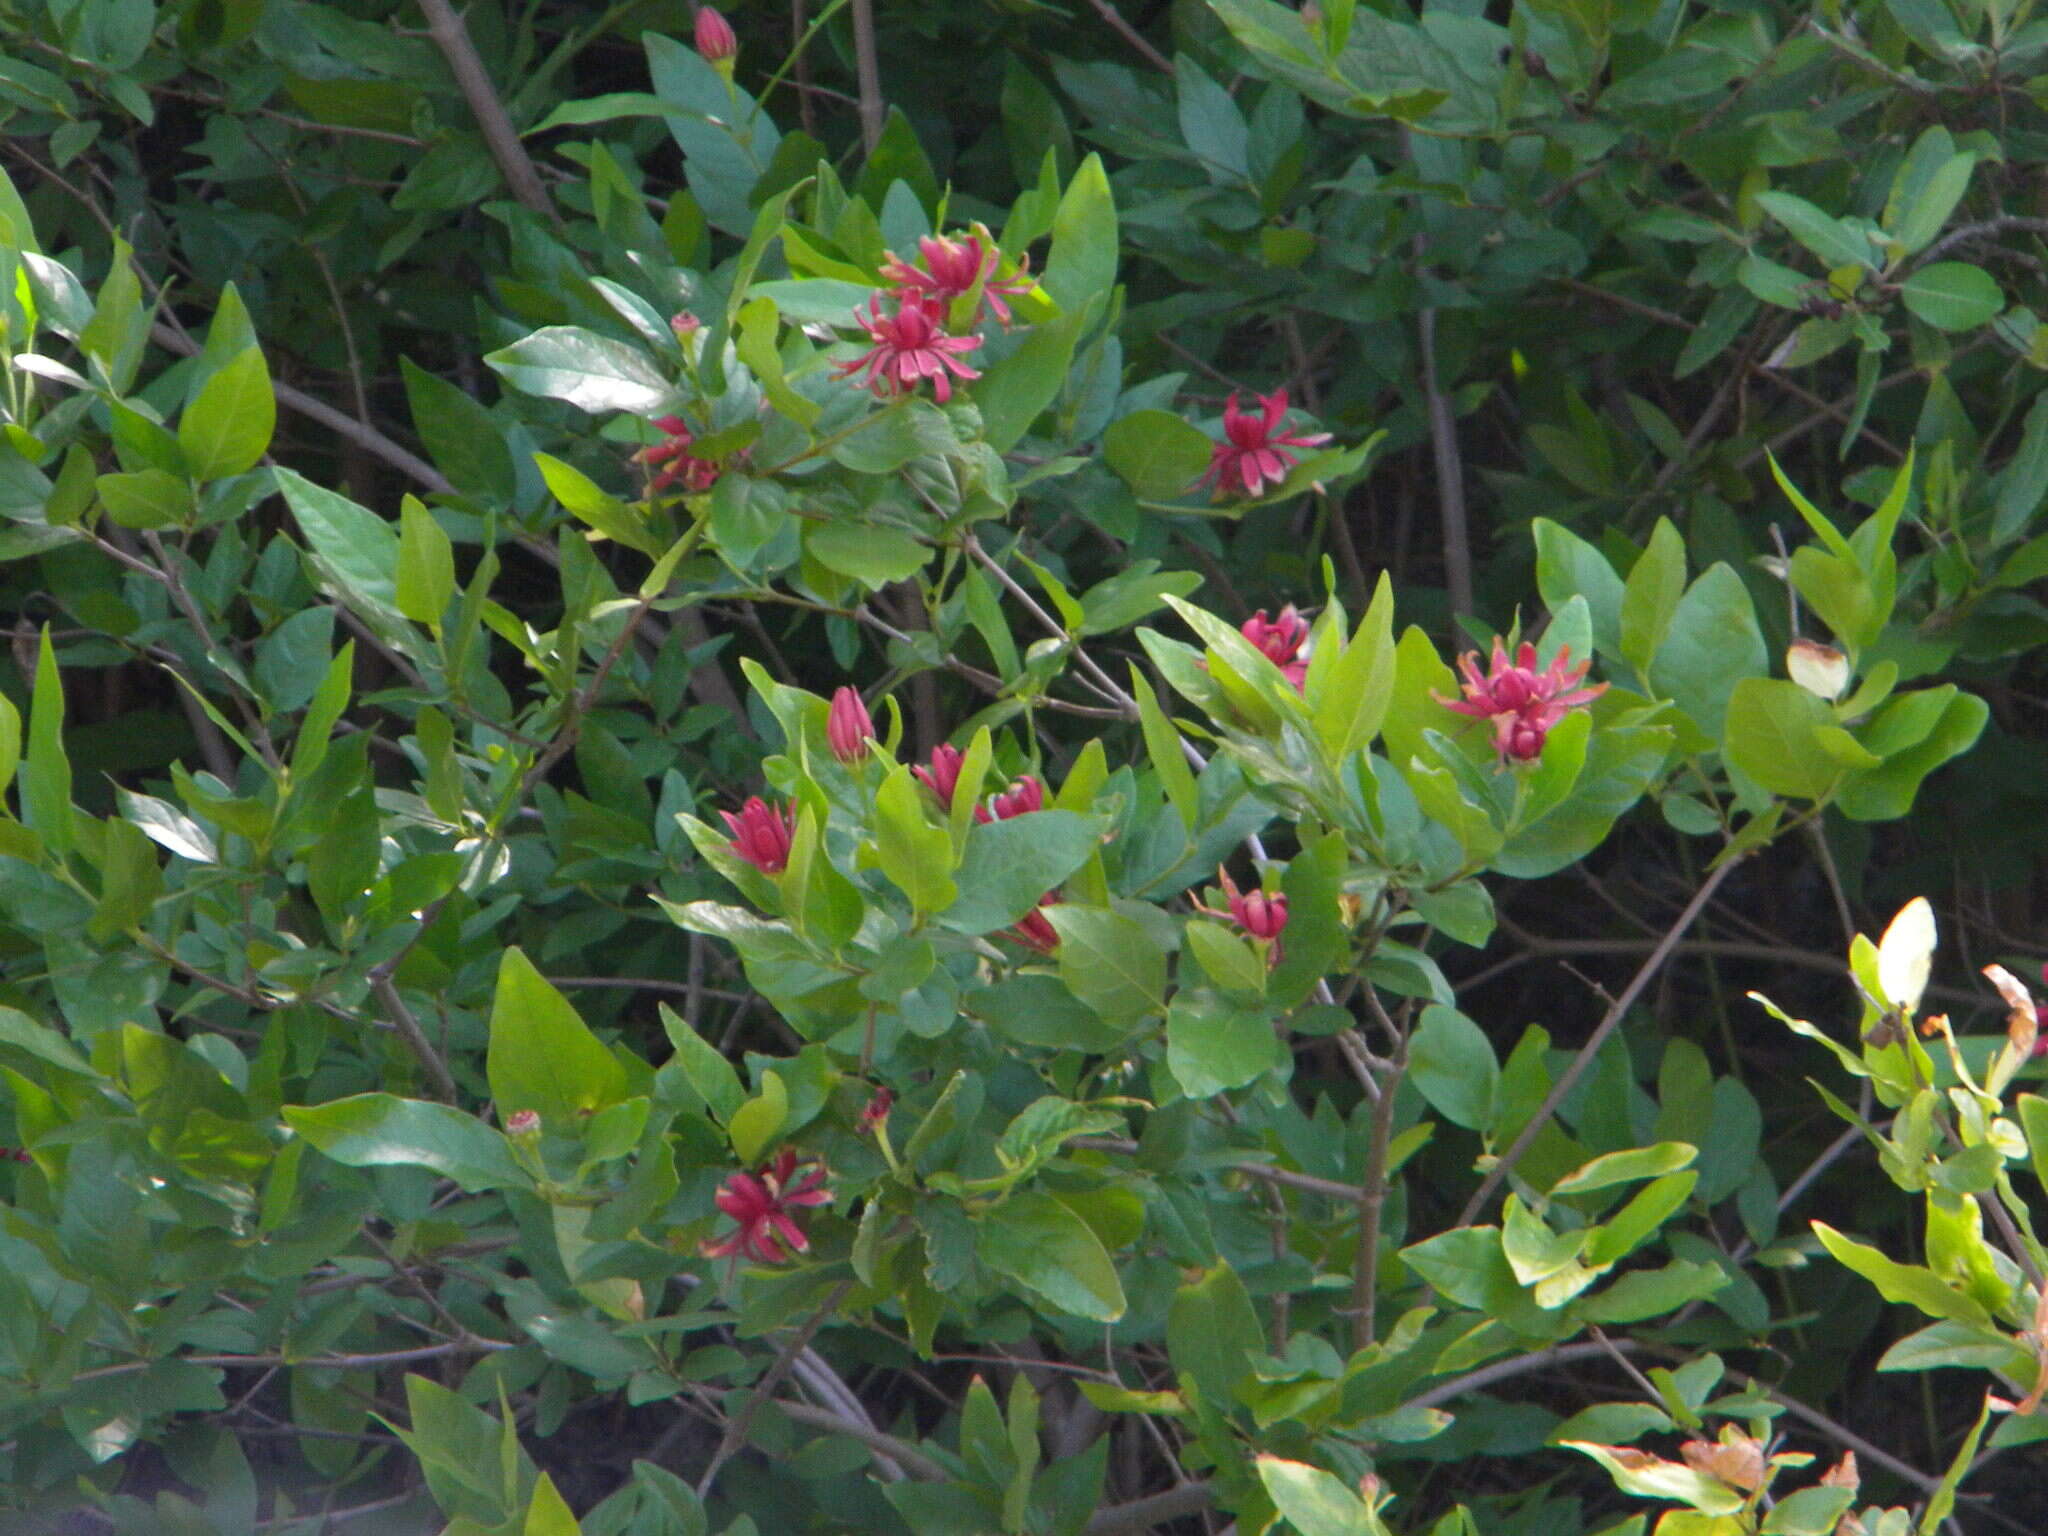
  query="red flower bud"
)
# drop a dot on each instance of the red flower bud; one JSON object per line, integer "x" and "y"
{"x": 849, "y": 726}
{"x": 1033, "y": 931}
{"x": 1021, "y": 798}
{"x": 523, "y": 1122}
{"x": 716, "y": 41}
{"x": 761, "y": 834}
{"x": 943, "y": 777}
{"x": 877, "y": 1112}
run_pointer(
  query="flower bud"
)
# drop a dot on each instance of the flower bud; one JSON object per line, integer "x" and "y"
{"x": 849, "y": 726}
{"x": 876, "y": 1114}
{"x": 523, "y": 1124}
{"x": 943, "y": 777}
{"x": 1820, "y": 669}
{"x": 716, "y": 41}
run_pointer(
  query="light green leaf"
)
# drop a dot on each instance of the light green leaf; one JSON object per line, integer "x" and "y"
{"x": 1041, "y": 1244}
{"x": 426, "y": 564}
{"x": 542, "y": 1056}
{"x": 915, "y": 855}
{"x": 1212, "y": 1046}
{"x": 591, "y": 372}
{"x": 227, "y": 427}
{"x": 1453, "y": 1066}
{"x": 373, "y": 1130}
{"x": 1157, "y": 454}
{"x": 1773, "y": 736}
{"x": 1108, "y": 961}
{"x": 1952, "y": 295}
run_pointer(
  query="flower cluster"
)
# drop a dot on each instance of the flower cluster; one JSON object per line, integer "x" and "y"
{"x": 762, "y": 1204}
{"x": 1253, "y": 454}
{"x": 915, "y": 341}
{"x": 677, "y": 463}
{"x": 1522, "y": 702}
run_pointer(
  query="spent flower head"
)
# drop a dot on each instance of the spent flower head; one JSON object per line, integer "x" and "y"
{"x": 1254, "y": 452}
{"x": 1522, "y": 701}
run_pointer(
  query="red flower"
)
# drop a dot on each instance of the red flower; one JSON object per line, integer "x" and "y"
{"x": 849, "y": 726}
{"x": 1021, "y": 798}
{"x": 943, "y": 777}
{"x": 1253, "y": 455}
{"x": 761, "y": 1203}
{"x": 1258, "y": 914}
{"x": 1522, "y": 703}
{"x": 715, "y": 39}
{"x": 952, "y": 266}
{"x": 676, "y": 460}
{"x": 761, "y": 834}
{"x": 1281, "y": 640}
{"x": 909, "y": 345}
{"x": 1033, "y": 931}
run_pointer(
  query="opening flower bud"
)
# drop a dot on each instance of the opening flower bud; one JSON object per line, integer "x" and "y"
{"x": 716, "y": 41}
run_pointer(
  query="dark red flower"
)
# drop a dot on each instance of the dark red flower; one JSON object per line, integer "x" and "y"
{"x": 848, "y": 727}
{"x": 952, "y": 265}
{"x": 1281, "y": 640}
{"x": 1260, "y": 915}
{"x": 715, "y": 39}
{"x": 909, "y": 345}
{"x": 762, "y": 1202}
{"x": 1522, "y": 702}
{"x": 943, "y": 777}
{"x": 1021, "y": 798}
{"x": 676, "y": 461}
{"x": 1033, "y": 931}
{"x": 761, "y": 834}
{"x": 1254, "y": 453}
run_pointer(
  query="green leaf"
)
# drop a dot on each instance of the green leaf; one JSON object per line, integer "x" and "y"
{"x": 1228, "y": 960}
{"x": 1650, "y": 599}
{"x": 591, "y": 372}
{"x": 1015, "y": 392}
{"x": 462, "y": 438}
{"x": 871, "y": 555}
{"x": 1921, "y": 221}
{"x": 1835, "y": 243}
{"x": 1163, "y": 748}
{"x": 1108, "y": 961}
{"x": 426, "y": 565}
{"x": 754, "y": 1126}
{"x": 1352, "y": 698}
{"x": 1213, "y": 1046}
{"x": 1660, "y": 1479}
{"x": 915, "y": 855}
{"x": 1009, "y": 864}
{"x": 1213, "y": 1333}
{"x": 227, "y": 427}
{"x": 1084, "y": 240}
{"x": 147, "y": 498}
{"x": 1952, "y": 295}
{"x": 1773, "y": 736}
{"x": 755, "y": 341}
{"x": 1887, "y": 792}
{"x": 1452, "y": 1065}
{"x": 1567, "y": 567}
{"x": 542, "y": 1056}
{"x": 1943, "y": 1502}
{"x": 1157, "y": 454}
{"x": 1666, "y": 1157}
{"x": 1040, "y": 1243}
{"x": 714, "y": 1078}
{"x": 1313, "y": 1501}
{"x": 1910, "y": 1283}
{"x": 354, "y": 551}
{"x": 371, "y": 1130}
{"x": 46, "y": 776}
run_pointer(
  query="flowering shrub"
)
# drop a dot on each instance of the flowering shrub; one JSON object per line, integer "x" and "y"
{"x": 677, "y": 942}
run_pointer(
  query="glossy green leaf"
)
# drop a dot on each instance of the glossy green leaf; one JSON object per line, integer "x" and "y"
{"x": 542, "y": 1056}
{"x": 589, "y": 371}
{"x": 227, "y": 427}
{"x": 1041, "y": 1244}
{"x": 378, "y": 1130}
{"x": 1108, "y": 961}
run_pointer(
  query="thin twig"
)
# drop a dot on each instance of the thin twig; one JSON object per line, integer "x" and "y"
{"x": 1564, "y": 1085}
{"x": 1450, "y": 466}
{"x": 889, "y": 1450}
{"x": 736, "y": 1429}
{"x": 1154, "y": 1509}
{"x": 1131, "y": 35}
{"x": 414, "y": 1037}
{"x": 452, "y": 38}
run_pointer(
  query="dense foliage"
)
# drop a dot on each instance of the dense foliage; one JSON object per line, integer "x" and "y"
{"x": 970, "y": 768}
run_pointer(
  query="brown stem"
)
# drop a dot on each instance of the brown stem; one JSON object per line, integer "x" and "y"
{"x": 1372, "y": 1202}
{"x": 415, "y": 1038}
{"x": 1154, "y": 1509}
{"x": 868, "y": 72}
{"x": 452, "y": 38}
{"x": 736, "y": 1430}
{"x": 1450, "y": 467}
{"x": 1131, "y": 35}
{"x": 1652, "y": 963}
